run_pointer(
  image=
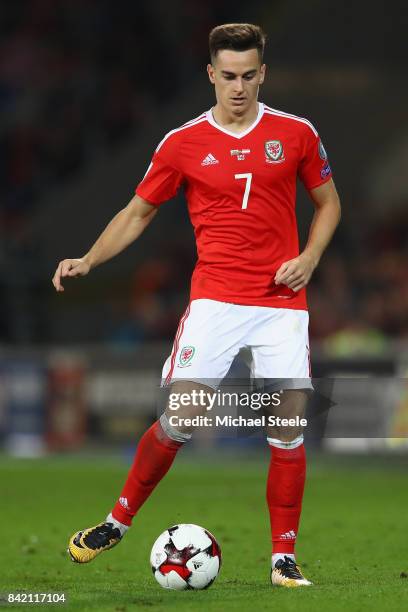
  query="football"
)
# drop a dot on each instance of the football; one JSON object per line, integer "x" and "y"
{"x": 185, "y": 556}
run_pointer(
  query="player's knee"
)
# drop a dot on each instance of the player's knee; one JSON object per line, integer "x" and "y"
{"x": 285, "y": 443}
{"x": 284, "y": 433}
{"x": 174, "y": 428}
{"x": 185, "y": 418}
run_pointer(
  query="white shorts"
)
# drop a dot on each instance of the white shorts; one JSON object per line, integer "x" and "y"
{"x": 211, "y": 334}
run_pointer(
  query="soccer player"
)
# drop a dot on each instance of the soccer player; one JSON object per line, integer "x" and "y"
{"x": 238, "y": 164}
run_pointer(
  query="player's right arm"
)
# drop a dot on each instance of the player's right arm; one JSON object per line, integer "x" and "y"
{"x": 124, "y": 228}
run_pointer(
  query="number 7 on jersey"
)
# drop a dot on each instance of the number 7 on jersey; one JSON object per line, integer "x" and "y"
{"x": 248, "y": 177}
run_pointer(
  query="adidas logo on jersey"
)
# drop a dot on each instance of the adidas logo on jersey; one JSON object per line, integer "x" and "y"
{"x": 210, "y": 159}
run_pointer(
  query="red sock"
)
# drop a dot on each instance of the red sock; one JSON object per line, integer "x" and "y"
{"x": 154, "y": 455}
{"x": 284, "y": 493}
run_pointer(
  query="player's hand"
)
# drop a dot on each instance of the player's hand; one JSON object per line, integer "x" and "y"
{"x": 70, "y": 268}
{"x": 296, "y": 273}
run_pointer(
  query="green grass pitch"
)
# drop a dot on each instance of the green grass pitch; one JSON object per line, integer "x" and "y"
{"x": 352, "y": 545}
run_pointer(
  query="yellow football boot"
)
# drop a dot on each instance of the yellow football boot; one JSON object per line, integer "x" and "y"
{"x": 287, "y": 574}
{"x": 85, "y": 545}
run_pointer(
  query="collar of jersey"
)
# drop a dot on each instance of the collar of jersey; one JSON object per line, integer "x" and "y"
{"x": 211, "y": 120}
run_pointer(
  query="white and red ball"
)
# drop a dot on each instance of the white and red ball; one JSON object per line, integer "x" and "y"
{"x": 185, "y": 556}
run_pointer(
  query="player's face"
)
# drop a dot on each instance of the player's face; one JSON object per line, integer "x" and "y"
{"x": 236, "y": 76}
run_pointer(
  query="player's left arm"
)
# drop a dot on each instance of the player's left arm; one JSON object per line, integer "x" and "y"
{"x": 297, "y": 272}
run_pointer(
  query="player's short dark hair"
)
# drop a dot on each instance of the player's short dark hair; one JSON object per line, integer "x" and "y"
{"x": 236, "y": 37}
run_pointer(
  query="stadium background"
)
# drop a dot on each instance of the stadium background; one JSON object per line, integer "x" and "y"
{"x": 86, "y": 92}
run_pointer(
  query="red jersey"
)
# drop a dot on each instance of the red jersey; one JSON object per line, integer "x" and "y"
{"x": 241, "y": 192}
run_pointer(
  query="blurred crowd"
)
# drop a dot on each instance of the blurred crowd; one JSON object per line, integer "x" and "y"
{"x": 73, "y": 80}
{"x": 359, "y": 305}
{"x": 359, "y": 297}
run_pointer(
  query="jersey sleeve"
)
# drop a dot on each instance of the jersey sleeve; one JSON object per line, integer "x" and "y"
{"x": 163, "y": 178}
{"x": 314, "y": 168}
